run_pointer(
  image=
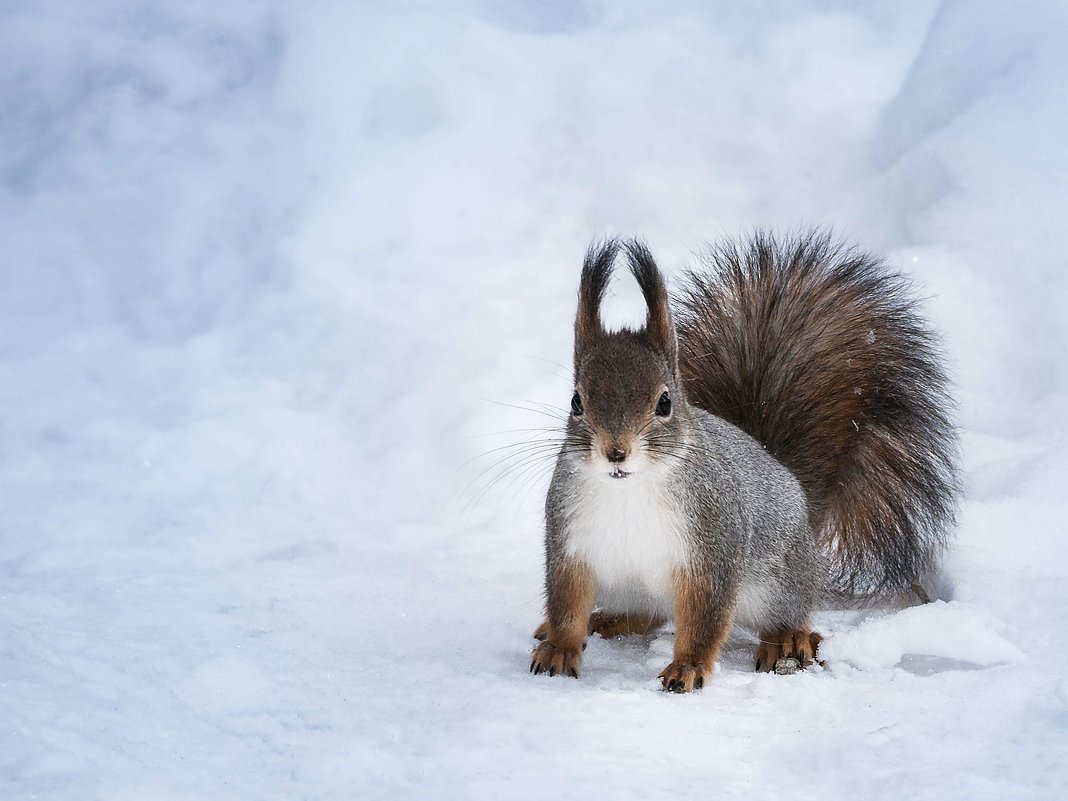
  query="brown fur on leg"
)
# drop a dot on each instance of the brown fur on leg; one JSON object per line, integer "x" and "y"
{"x": 610, "y": 624}
{"x": 799, "y": 644}
{"x": 569, "y": 602}
{"x": 702, "y": 622}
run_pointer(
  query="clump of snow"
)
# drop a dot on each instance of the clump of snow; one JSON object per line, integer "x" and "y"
{"x": 274, "y": 273}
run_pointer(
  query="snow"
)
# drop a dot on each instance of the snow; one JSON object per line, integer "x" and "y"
{"x": 277, "y": 276}
{"x": 936, "y": 631}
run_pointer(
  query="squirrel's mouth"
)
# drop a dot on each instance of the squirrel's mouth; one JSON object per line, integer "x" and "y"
{"x": 618, "y": 473}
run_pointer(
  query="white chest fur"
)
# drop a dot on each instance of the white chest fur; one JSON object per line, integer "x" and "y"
{"x": 632, "y": 534}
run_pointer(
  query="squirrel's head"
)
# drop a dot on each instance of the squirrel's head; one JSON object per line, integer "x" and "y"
{"x": 628, "y": 412}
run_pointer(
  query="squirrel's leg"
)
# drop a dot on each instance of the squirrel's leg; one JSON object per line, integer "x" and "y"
{"x": 702, "y": 623}
{"x": 613, "y": 624}
{"x": 569, "y": 592}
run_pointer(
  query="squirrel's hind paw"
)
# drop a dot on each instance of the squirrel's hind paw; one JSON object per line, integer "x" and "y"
{"x": 610, "y": 625}
{"x": 797, "y": 644}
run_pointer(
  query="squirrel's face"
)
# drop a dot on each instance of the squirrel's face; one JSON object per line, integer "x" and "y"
{"x": 626, "y": 415}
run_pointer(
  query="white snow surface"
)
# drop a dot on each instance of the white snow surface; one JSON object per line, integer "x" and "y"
{"x": 277, "y": 276}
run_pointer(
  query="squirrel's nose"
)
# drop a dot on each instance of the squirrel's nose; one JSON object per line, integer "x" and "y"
{"x": 616, "y": 454}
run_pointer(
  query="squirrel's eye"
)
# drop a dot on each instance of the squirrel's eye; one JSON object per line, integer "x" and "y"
{"x": 663, "y": 406}
{"x": 576, "y": 405}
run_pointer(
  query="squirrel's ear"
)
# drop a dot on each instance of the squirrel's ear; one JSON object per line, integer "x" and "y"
{"x": 596, "y": 270}
{"x": 658, "y": 324}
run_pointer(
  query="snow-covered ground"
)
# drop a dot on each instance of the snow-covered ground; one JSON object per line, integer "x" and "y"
{"x": 275, "y": 274}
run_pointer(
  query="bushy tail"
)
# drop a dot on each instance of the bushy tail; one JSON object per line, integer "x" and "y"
{"x": 818, "y": 351}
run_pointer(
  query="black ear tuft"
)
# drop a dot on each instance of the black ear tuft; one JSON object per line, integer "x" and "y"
{"x": 596, "y": 272}
{"x": 658, "y": 324}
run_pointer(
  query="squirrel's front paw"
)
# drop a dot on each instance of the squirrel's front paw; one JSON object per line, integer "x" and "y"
{"x": 683, "y": 677}
{"x": 552, "y": 660}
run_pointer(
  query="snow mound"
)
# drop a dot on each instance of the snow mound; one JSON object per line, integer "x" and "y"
{"x": 960, "y": 632}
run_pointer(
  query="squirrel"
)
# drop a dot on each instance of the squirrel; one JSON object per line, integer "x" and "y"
{"x": 777, "y": 434}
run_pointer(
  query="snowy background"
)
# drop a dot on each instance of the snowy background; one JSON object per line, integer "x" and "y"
{"x": 274, "y": 273}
